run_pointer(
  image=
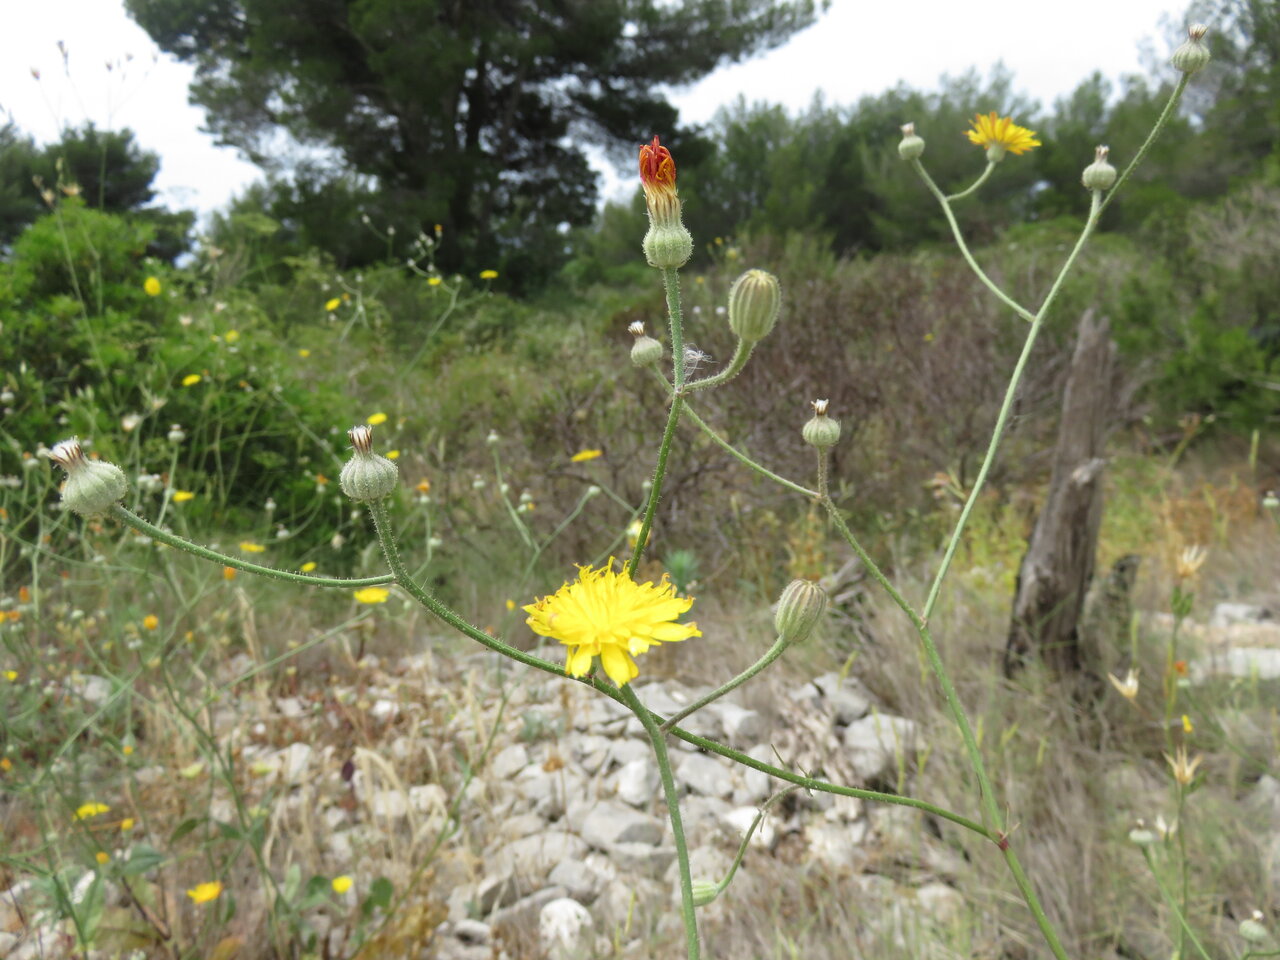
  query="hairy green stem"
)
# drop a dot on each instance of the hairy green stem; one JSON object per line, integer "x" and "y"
{"x": 743, "y": 458}
{"x": 1172, "y": 903}
{"x": 1161, "y": 122}
{"x": 163, "y": 536}
{"x": 975, "y": 185}
{"x": 741, "y": 354}
{"x": 772, "y": 654}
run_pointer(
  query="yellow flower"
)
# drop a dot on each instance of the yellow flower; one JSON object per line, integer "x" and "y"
{"x": 11, "y": 675}
{"x": 999, "y": 134}
{"x": 87, "y": 810}
{"x": 332, "y": 305}
{"x": 231, "y": 336}
{"x": 1183, "y": 771}
{"x": 205, "y": 892}
{"x": 511, "y": 604}
{"x": 488, "y": 274}
{"x": 304, "y": 353}
{"x": 308, "y": 566}
{"x": 102, "y": 857}
{"x": 583, "y": 455}
{"x": 341, "y": 884}
{"x": 1186, "y": 724}
{"x": 423, "y": 486}
{"x": 191, "y": 379}
{"x": 151, "y": 621}
{"x": 372, "y": 595}
{"x": 376, "y": 418}
{"x": 434, "y": 281}
{"x": 1128, "y": 687}
{"x": 127, "y": 749}
{"x": 608, "y": 615}
{"x": 393, "y": 454}
{"x": 228, "y": 573}
{"x": 151, "y": 286}
{"x": 182, "y": 496}
{"x": 126, "y": 824}
{"x": 6, "y": 764}
{"x": 248, "y": 546}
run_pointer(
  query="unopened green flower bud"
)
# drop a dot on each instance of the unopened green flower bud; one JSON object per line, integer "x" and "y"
{"x": 704, "y": 891}
{"x": 800, "y": 607}
{"x": 668, "y": 247}
{"x": 1142, "y": 837}
{"x": 1193, "y": 56}
{"x": 911, "y": 146}
{"x": 367, "y": 476}
{"x": 754, "y": 301}
{"x": 821, "y": 431}
{"x": 92, "y": 485}
{"x": 646, "y": 351}
{"x": 1253, "y": 930}
{"x": 1099, "y": 175}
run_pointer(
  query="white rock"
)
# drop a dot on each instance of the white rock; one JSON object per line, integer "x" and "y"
{"x": 756, "y": 785}
{"x": 384, "y": 711}
{"x": 741, "y": 726}
{"x": 290, "y": 707}
{"x": 641, "y": 859}
{"x": 622, "y": 752}
{"x": 849, "y": 699}
{"x": 639, "y": 782}
{"x": 939, "y": 902}
{"x": 706, "y": 775}
{"x": 583, "y": 882}
{"x": 1225, "y": 614}
{"x": 590, "y": 751}
{"x": 521, "y": 825}
{"x": 471, "y": 931}
{"x": 391, "y": 804}
{"x": 429, "y": 798}
{"x": 294, "y": 762}
{"x": 610, "y": 823}
{"x": 740, "y": 819}
{"x": 836, "y": 846}
{"x": 565, "y": 928}
{"x": 875, "y": 744}
{"x": 1242, "y": 662}
{"x": 509, "y": 761}
{"x": 96, "y": 690}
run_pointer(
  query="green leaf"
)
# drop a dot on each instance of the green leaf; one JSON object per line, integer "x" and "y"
{"x": 142, "y": 858}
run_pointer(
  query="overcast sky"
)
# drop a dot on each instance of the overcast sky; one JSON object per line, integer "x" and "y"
{"x": 857, "y": 48}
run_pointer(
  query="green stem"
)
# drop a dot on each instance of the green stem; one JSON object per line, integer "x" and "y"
{"x": 746, "y": 838}
{"x": 744, "y": 459}
{"x": 773, "y": 653}
{"x": 741, "y": 354}
{"x": 1161, "y": 123}
{"x": 675, "y": 318}
{"x": 1173, "y": 905}
{"x": 163, "y": 536}
{"x": 976, "y": 184}
{"x": 659, "y": 742}
{"x": 1017, "y": 308}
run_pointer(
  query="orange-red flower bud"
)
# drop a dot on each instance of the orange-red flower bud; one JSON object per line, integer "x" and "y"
{"x": 667, "y": 244}
{"x": 657, "y": 168}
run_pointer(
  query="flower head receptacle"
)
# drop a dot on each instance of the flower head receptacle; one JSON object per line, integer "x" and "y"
{"x": 800, "y": 609}
{"x": 754, "y": 302}
{"x": 606, "y": 614}
{"x": 1099, "y": 175}
{"x": 92, "y": 486}
{"x": 821, "y": 431}
{"x": 911, "y": 146}
{"x": 367, "y": 476}
{"x": 646, "y": 351}
{"x": 1000, "y": 135}
{"x": 668, "y": 244}
{"x": 1192, "y": 56}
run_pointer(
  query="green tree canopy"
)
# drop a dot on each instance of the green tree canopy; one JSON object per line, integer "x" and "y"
{"x": 468, "y": 113}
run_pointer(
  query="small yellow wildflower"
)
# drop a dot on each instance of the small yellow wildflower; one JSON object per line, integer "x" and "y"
{"x": 11, "y": 675}
{"x": 423, "y": 486}
{"x": 372, "y": 595}
{"x": 151, "y": 286}
{"x": 248, "y": 546}
{"x": 999, "y": 134}
{"x": 191, "y": 379}
{"x": 341, "y": 884}
{"x": 376, "y": 418}
{"x": 205, "y": 892}
{"x": 102, "y": 857}
{"x": 6, "y": 764}
{"x": 87, "y": 810}
{"x": 488, "y": 274}
{"x": 583, "y": 455}
{"x": 1186, "y": 724}
{"x": 231, "y": 336}
{"x": 608, "y": 615}
{"x": 434, "y": 281}
{"x": 150, "y": 621}
{"x": 228, "y": 573}
{"x": 127, "y": 749}
{"x": 334, "y": 304}
{"x": 126, "y": 824}
{"x": 393, "y": 454}
{"x": 511, "y": 604}
{"x": 182, "y": 496}
{"x": 304, "y": 353}
{"x": 308, "y": 566}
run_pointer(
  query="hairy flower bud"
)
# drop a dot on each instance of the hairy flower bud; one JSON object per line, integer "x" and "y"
{"x": 1193, "y": 56}
{"x": 1253, "y": 930}
{"x": 911, "y": 146}
{"x": 821, "y": 431}
{"x": 1099, "y": 175}
{"x": 668, "y": 244}
{"x": 367, "y": 476}
{"x": 92, "y": 485}
{"x": 704, "y": 892}
{"x": 646, "y": 350}
{"x": 800, "y": 607}
{"x": 754, "y": 301}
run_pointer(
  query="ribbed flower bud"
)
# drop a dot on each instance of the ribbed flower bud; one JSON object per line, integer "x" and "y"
{"x": 821, "y": 431}
{"x": 754, "y": 301}
{"x": 704, "y": 891}
{"x": 1252, "y": 928}
{"x": 367, "y": 476}
{"x": 911, "y": 146}
{"x": 92, "y": 485}
{"x": 1193, "y": 56}
{"x": 646, "y": 350}
{"x": 800, "y": 607}
{"x": 1099, "y": 175}
{"x": 667, "y": 244}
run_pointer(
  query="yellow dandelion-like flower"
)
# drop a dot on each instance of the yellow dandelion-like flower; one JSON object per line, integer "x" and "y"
{"x": 434, "y": 281}
{"x": 341, "y": 884}
{"x": 87, "y": 810}
{"x": 151, "y": 286}
{"x": 999, "y": 134}
{"x": 150, "y": 621}
{"x": 6, "y": 764}
{"x": 608, "y": 615}
{"x": 334, "y": 304}
{"x": 511, "y": 604}
{"x": 304, "y": 353}
{"x": 308, "y": 566}
{"x": 372, "y": 595}
{"x": 376, "y": 418}
{"x": 126, "y": 824}
{"x": 1187, "y": 726}
{"x": 191, "y": 379}
{"x": 11, "y": 675}
{"x": 127, "y": 749}
{"x": 205, "y": 892}
{"x": 423, "y": 486}
{"x": 182, "y": 496}
{"x": 248, "y": 546}
{"x": 488, "y": 274}
{"x": 231, "y": 336}
{"x": 584, "y": 455}
{"x": 393, "y": 454}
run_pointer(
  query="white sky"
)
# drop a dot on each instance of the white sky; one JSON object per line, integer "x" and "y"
{"x": 857, "y": 48}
